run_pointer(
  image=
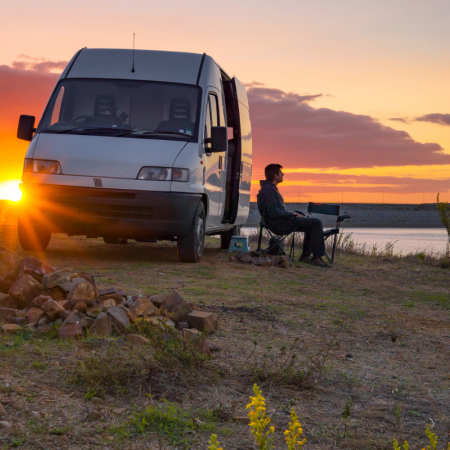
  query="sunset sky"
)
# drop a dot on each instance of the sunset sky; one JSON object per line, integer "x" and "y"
{"x": 352, "y": 97}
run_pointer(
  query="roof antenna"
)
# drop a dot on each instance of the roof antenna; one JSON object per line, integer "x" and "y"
{"x": 132, "y": 69}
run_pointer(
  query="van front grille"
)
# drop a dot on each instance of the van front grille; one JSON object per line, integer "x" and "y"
{"x": 113, "y": 211}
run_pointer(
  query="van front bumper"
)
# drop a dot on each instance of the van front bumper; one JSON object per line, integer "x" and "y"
{"x": 109, "y": 212}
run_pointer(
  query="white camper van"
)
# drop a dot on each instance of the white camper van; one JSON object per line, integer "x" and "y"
{"x": 144, "y": 145}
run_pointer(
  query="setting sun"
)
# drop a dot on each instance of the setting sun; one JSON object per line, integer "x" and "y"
{"x": 9, "y": 190}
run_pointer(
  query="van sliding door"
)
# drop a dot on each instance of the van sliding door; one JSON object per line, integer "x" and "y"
{"x": 237, "y": 202}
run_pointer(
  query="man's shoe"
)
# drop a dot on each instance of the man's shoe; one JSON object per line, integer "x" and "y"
{"x": 305, "y": 258}
{"x": 319, "y": 262}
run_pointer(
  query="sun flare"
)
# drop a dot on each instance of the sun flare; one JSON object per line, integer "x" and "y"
{"x": 9, "y": 190}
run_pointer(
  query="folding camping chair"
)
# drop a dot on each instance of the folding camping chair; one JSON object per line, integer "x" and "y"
{"x": 329, "y": 210}
{"x": 277, "y": 240}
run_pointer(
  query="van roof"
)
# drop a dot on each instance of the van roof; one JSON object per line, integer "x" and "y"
{"x": 175, "y": 67}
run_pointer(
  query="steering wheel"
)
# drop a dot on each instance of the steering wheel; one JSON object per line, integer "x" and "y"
{"x": 84, "y": 116}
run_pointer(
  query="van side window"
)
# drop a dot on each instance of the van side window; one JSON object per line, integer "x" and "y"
{"x": 215, "y": 119}
{"x": 56, "y": 115}
{"x": 208, "y": 123}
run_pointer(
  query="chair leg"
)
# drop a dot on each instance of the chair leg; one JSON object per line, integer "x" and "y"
{"x": 334, "y": 248}
{"x": 260, "y": 239}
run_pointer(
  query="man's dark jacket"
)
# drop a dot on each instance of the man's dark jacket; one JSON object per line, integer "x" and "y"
{"x": 272, "y": 209}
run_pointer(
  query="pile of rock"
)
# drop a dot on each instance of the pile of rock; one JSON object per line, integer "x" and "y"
{"x": 35, "y": 296}
{"x": 265, "y": 260}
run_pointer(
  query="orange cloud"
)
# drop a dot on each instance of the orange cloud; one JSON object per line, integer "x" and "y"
{"x": 287, "y": 130}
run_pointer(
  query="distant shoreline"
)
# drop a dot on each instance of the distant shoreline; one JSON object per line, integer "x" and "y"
{"x": 371, "y": 215}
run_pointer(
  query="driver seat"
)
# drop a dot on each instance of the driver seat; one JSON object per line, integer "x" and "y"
{"x": 105, "y": 108}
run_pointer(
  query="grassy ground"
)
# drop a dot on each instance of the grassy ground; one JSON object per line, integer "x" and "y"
{"x": 373, "y": 330}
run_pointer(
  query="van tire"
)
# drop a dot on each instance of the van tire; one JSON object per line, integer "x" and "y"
{"x": 225, "y": 237}
{"x": 190, "y": 247}
{"x": 32, "y": 237}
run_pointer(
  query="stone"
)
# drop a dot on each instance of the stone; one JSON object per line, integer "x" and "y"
{"x": 203, "y": 321}
{"x": 204, "y": 348}
{"x": 54, "y": 279}
{"x": 136, "y": 339}
{"x": 93, "y": 311}
{"x": 94, "y": 415}
{"x": 182, "y": 325}
{"x": 52, "y": 308}
{"x": 39, "y": 301}
{"x": 31, "y": 327}
{"x": 20, "y": 313}
{"x": 63, "y": 315}
{"x": 70, "y": 330}
{"x": 119, "y": 411}
{"x": 107, "y": 304}
{"x": 133, "y": 318}
{"x": 57, "y": 293}
{"x": 16, "y": 320}
{"x": 143, "y": 307}
{"x": 6, "y": 301}
{"x": 45, "y": 319}
{"x": 65, "y": 304}
{"x": 189, "y": 332}
{"x": 80, "y": 306}
{"x": 76, "y": 317}
{"x": 111, "y": 291}
{"x": 97, "y": 401}
{"x": 244, "y": 420}
{"x": 285, "y": 262}
{"x": 43, "y": 327}
{"x": 118, "y": 298}
{"x": 9, "y": 267}
{"x": 10, "y": 328}
{"x": 7, "y": 312}
{"x": 2, "y": 411}
{"x": 213, "y": 347}
{"x": 24, "y": 289}
{"x": 29, "y": 265}
{"x": 119, "y": 318}
{"x": 158, "y": 299}
{"x": 101, "y": 326}
{"x": 82, "y": 291}
{"x": 176, "y": 306}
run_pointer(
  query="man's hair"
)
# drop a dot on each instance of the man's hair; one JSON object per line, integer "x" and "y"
{"x": 271, "y": 170}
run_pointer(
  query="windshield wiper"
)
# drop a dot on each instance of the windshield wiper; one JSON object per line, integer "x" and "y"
{"x": 91, "y": 129}
{"x": 168, "y": 132}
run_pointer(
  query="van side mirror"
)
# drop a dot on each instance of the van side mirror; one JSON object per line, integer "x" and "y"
{"x": 26, "y": 128}
{"x": 219, "y": 139}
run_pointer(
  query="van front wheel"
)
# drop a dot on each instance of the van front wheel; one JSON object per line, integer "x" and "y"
{"x": 190, "y": 247}
{"x": 32, "y": 237}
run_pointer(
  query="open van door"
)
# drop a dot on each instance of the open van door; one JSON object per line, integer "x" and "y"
{"x": 237, "y": 202}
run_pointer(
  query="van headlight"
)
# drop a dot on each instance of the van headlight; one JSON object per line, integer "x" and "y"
{"x": 163, "y": 174}
{"x": 42, "y": 166}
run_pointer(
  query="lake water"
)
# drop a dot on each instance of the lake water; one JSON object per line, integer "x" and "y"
{"x": 407, "y": 240}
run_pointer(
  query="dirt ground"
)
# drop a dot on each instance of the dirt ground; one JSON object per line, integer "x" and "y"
{"x": 372, "y": 334}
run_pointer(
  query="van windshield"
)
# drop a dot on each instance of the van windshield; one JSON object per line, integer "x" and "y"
{"x": 123, "y": 108}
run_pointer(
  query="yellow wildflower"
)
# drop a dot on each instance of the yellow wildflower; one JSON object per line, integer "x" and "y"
{"x": 259, "y": 421}
{"x": 214, "y": 443}
{"x": 293, "y": 433}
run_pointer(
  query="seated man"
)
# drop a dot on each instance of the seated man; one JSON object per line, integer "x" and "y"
{"x": 281, "y": 221}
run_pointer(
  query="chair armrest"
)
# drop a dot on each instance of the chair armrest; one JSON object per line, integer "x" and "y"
{"x": 342, "y": 218}
{"x": 300, "y": 212}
